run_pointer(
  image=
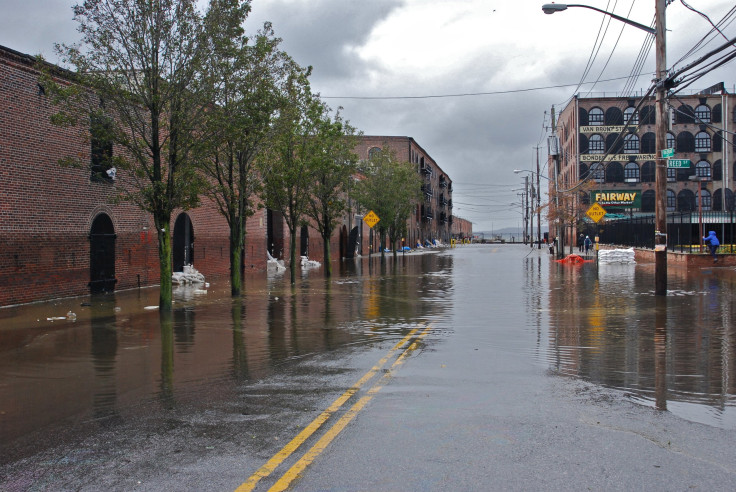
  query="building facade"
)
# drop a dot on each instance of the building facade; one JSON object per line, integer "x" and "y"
{"x": 432, "y": 218}
{"x": 602, "y": 159}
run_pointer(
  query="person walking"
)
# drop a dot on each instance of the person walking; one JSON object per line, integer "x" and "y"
{"x": 588, "y": 243}
{"x": 581, "y": 242}
{"x": 713, "y": 244}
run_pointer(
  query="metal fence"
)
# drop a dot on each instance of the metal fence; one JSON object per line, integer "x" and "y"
{"x": 684, "y": 230}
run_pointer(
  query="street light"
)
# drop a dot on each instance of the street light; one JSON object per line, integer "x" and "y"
{"x": 660, "y": 176}
{"x": 551, "y": 8}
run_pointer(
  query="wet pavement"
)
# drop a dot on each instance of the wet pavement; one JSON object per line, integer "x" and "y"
{"x": 524, "y": 373}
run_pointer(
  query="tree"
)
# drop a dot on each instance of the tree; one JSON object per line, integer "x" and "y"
{"x": 242, "y": 80}
{"x": 136, "y": 73}
{"x": 391, "y": 188}
{"x": 286, "y": 165}
{"x": 333, "y": 168}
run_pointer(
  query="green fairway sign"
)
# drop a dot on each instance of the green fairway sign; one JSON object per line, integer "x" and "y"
{"x": 678, "y": 163}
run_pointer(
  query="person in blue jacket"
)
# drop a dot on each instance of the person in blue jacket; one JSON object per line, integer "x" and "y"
{"x": 713, "y": 243}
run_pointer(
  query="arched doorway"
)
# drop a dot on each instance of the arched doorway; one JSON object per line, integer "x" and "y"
{"x": 102, "y": 255}
{"x": 275, "y": 234}
{"x": 183, "y": 247}
{"x": 343, "y": 242}
{"x": 304, "y": 241}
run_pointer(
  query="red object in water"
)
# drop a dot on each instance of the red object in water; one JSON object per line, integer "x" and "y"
{"x": 574, "y": 259}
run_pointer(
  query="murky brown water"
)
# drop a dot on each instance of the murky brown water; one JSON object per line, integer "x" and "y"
{"x": 118, "y": 359}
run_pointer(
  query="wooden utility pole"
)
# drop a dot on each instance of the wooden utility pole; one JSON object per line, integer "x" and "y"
{"x": 539, "y": 207}
{"x": 660, "y": 208}
{"x": 559, "y": 231}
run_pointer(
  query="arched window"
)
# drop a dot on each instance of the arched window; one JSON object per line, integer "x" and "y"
{"x": 648, "y": 172}
{"x": 595, "y": 117}
{"x": 702, "y": 142}
{"x": 614, "y": 143}
{"x": 631, "y": 144}
{"x": 632, "y": 113}
{"x": 717, "y": 202}
{"x": 704, "y": 200}
{"x": 582, "y": 117}
{"x": 702, "y": 114}
{"x": 718, "y": 170}
{"x": 647, "y": 201}
{"x": 597, "y": 145}
{"x": 648, "y": 143}
{"x": 614, "y": 172}
{"x": 671, "y": 200}
{"x": 374, "y": 152}
{"x": 685, "y": 142}
{"x": 631, "y": 172}
{"x": 583, "y": 147}
{"x": 685, "y": 114}
{"x": 614, "y": 116}
{"x": 647, "y": 115}
{"x": 670, "y": 140}
{"x": 702, "y": 170}
{"x": 597, "y": 172}
{"x": 686, "y": 201}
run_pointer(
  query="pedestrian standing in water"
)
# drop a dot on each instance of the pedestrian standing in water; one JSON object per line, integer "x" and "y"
{"x": 713, "y": 244}
{"x": 581, "y": 241}
{"x": 588, "y": 244}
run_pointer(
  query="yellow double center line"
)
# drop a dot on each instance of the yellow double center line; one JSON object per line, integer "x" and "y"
{"x": 327, "y": 438}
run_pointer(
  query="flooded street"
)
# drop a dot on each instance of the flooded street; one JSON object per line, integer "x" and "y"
{"x": 122, "y": 383}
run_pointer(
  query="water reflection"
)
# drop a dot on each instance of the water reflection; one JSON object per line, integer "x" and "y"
{"x": 119, "y": 360}
{"x": 673, "y": 353}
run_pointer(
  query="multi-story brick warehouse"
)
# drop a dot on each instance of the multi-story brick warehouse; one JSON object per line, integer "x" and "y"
{"x": 699, "y": 129}
{"x": 432, "y": 218}
{"x": 63, "y": 234}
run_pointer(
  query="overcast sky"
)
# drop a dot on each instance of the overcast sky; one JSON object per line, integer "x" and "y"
{"x": 416, "y": 67}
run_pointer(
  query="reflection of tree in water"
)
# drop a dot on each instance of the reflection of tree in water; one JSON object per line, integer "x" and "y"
{"x": 167, "y": 359}
{"x": 240, "y": 359}
{"x": 184, "y": 322}
{"x": 104, "y": 347}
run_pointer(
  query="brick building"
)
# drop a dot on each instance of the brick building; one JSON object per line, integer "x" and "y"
{"x": 62, "y": 233}
{"x": 461, "y": 228}
{"x": 614, "y": 161}
{"x": 432, "y": 218}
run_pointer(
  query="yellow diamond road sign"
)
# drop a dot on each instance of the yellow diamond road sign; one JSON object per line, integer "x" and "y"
{"x": 371, "y": 219}
{"x": 596, "y": 212}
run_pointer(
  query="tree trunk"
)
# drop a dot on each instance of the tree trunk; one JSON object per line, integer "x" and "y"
{"x": 237, "y": 237}
{"x": 292, "y": 254}
{"x": 165, "y": 266}
{"x": 326, "y": 254}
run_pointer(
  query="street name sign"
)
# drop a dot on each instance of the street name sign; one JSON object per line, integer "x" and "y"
{"x": 596, "y": 212}
{"x": 668, "y": 153}
{"x": 679, "y": 163}
{"x": 371, "y": 219}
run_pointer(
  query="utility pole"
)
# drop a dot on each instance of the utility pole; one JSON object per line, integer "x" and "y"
{"x": 660, "y": 208}
{"x": 539, "y": 207}
{"x": 559, "y": 231}
{"x": 526, "y": 208}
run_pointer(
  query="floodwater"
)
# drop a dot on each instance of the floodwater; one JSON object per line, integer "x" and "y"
{"x": 118, "y": 358}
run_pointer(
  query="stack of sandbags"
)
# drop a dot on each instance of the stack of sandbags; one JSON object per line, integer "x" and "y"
{"x": 610, "y": 256}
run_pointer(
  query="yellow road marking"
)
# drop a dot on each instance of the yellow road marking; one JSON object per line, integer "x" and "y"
{"x": 292, "y": 446}
{"x": 292, "y": 473}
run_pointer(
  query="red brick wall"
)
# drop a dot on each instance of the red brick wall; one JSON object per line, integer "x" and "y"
{"x": 46, "y": 210}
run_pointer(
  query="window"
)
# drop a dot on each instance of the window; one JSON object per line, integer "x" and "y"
{"x": 685, "y": 142}
{"x": 704, "y": 199}
{"x": 702, "y": 114}
{"x": 101, "y": 169}
{"x": 374, "y": 152}
{"x": 647, "y": 172}
{"x": 596, "y": 145}
{"x": 648, "y": 143}
{"x": 702, "y": 142}
{"x": 647, "y": 201}
{"x": 597, "y": 172}
{"x": 671, "y": 200}
{"x": 632, "y": 113}
{"x": 671, "y": 174}
{"x": 595, "y": 117}
{"x": 670, "y": 141}
{"x": 686, "y": 201}
{"x": 702, "y": 170}
{"x": 631, "y": 172}
{"x": 631, "y": 144}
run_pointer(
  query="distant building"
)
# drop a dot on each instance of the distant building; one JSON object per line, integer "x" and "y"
{"x": 591, "y": 128}
{"x": 432, "y": 218}
{"x": 462, "y": 229}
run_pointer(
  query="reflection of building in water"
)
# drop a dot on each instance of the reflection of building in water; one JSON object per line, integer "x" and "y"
{"x": 606, "y": 327}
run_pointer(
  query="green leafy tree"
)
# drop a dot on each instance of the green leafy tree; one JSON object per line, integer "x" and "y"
{"x": 333, "y": 168}
{"x": 135, "y": 76}
{"x": 242, "y": 81}
{"x": 390, "y": 188}
{"x": 286, "y": 166}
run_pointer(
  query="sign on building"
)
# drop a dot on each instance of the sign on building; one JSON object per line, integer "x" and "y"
{"x": 617, "y": 198}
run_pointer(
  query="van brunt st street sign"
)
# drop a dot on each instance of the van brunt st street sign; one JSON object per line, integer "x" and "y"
{"x": 616, "y": 198}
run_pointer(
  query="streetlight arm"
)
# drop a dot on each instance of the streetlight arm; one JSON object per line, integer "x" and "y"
{"x": 551, "y": 8}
